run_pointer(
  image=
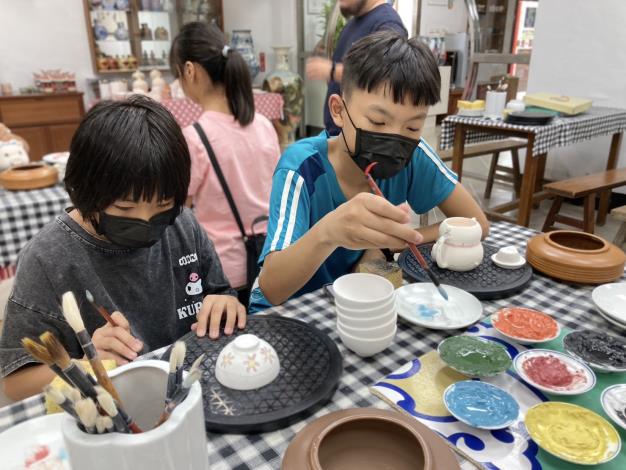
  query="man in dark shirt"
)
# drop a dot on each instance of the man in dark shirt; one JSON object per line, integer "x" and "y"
{"x": 368, "y": 16}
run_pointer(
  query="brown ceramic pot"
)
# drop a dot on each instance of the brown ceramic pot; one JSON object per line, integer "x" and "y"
{"x": 30, "y": 176}
{"x": 367, "y": 439}
{"x": 575, "y": 256}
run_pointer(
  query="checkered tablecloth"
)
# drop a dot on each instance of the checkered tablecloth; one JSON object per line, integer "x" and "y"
{"x": 186, "y": 112}
{"x": 570, "y": 304}
{"x": 562, "y": 131}
{"x": 22, "y": 214}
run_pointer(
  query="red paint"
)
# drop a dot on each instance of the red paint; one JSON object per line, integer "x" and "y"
{"x": 525, "y": 323}
{"x": 551, "y": 372}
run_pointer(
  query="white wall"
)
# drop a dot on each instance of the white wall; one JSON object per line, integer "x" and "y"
{"x": 581, "y": 54}
{"x": 273, "y": 23}
{"x": 43, "y": 34}
{"x": 438, "y": 20}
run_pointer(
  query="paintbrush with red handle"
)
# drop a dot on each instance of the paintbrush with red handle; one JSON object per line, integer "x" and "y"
{"x": 418, "y": 256}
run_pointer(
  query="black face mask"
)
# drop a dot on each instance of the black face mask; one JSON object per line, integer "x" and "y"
{"x": 136, "y": 233}
{"x": 393, "y": 152}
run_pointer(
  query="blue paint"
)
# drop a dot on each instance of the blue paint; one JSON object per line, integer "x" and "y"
{"x": 481, "y": 404}
{"x": 427, "y": 311}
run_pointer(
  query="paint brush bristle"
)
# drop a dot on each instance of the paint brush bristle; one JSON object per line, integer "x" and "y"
{"x": 71, "y": 394}
{"x": 197, "y": 363}
{"x": 55, "y": 395}
{"x": 89, "y": 296}
{"x": 177, "y": 355}
{"x": 87, "y": 413}
{"x": 100, "y": 426}
{"x": 71, "y": 312}
{"x": 56, "y": 350}
{"x": 37, "y": 350}
{"x": 108, "y": 423}
{"x": 106, "y": 402}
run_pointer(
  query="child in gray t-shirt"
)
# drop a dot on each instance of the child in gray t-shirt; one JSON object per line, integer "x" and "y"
{"x": 127, "y": 241}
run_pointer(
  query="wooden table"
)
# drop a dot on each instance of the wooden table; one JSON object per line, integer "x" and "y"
{"x": 456, "y": 131}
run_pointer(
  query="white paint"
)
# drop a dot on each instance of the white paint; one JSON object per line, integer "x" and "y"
{"x": 272, "y": 23}
{"x": 585, "y": 56}
{"x": 43, "y": 34}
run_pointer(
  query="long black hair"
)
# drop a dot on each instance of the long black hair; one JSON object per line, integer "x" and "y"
{"x": 204, "y": 44}
{"x": 126, "y": 149}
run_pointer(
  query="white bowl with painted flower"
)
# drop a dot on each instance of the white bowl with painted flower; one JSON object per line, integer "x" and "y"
{"x": 247, "y": 363}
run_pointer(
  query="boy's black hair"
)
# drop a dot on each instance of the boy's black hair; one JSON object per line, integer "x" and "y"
{"x": 126, "y": 149}
{"x": 405, "y": 67}
{"x": 204, "y": 44}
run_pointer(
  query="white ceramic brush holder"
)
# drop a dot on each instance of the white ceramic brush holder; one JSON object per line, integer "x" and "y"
{"x": 179, "y": 443}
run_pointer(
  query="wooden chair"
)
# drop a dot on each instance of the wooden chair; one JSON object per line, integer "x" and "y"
{"x": 496, "y": 172}
{"x": 584, "y": 186}
{"x": 619, "y": 213}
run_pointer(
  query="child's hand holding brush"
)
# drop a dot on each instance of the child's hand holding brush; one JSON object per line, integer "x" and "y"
{"x": 116, "y": 342}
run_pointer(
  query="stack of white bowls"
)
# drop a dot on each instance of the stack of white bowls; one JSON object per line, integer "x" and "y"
{"x": 366, "y": 313}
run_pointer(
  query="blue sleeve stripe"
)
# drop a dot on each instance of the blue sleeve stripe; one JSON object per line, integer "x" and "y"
{"x": 293, "y": 212}
{"x": 430, "y": 153}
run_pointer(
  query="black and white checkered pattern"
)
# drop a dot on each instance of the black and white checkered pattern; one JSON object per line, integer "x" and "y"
{"x": 560, "y": 132}
{"x": 570, "y": 304}
{"x": 23, "y": 213}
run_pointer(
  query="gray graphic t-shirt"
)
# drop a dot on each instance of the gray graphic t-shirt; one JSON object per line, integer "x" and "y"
{"x": 158, "y": 289}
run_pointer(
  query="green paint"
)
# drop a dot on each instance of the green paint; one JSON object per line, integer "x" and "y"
{"x": 474, "y": 356}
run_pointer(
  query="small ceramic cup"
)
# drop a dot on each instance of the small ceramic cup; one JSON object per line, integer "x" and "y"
{"x": 508, "y": 254}
{"x": 362, "y": 291}
{"x": 180, "y": 442}
{"x": 247, "y": 363}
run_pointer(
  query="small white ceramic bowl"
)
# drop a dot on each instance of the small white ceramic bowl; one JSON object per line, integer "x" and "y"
{"x": 247, "y": 363}
{"x": 366, "y": 312}
{"x": 362, "y": 291}
{"x": 370, "y": 332}
{"x": 508, "y": 258}
{"x": 368, "y": 322}
{"x": 366, "y": 347}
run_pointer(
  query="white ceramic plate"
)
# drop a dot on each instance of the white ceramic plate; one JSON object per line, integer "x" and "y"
{"x": 36, "y": 443}
{"x": 614, "y": 401}
{"x": 421, "y": 304}
{"x": 573, "y": 365}
{"x": 611, "y": 299}
{"x": 606, "y": 316}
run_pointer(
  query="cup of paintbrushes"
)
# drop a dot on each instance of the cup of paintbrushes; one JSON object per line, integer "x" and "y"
{"x": 179, "y": 442}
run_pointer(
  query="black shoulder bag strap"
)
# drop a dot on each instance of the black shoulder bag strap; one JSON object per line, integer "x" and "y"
{"x": 220, "y": 177}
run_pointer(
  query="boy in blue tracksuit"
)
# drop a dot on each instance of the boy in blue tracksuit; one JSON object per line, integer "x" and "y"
{"x": 322, "y": 213}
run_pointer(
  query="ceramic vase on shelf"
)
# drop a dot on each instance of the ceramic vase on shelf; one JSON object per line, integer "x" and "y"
{"x": 242, "y": 42}
{"x": 121, "y": 33}
{"x": 121, "y": 4}
{"x": 290, "y": 85}
{"x": 99, "y": 31}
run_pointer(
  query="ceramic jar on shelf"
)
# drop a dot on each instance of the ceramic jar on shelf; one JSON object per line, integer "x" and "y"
{"x": 145, "y": 32}
{"x": 290, "y": 85}
{"x": 121, "y": 33}
{"x": 99, "y": 31}
{"x": 243, "y": 43}
{"x": 161, "y": 34}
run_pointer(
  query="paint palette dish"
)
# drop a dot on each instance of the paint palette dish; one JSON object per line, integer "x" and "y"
{"x": 481, "y": 405}
{"x": 610, "y": 300}
{"x": 572, "y": 433}
{"x": 422, "y": 305}
{"x": 36, "y": 443}
{"x": 601, "y": 351}
{"x": 525, "y": 326}
{"x": 474, "y": 357}
{"x": 614, "y": 403}
{"x": 554, "y": 372}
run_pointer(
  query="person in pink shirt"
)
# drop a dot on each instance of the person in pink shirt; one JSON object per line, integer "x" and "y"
{"x": 244, "y": 143}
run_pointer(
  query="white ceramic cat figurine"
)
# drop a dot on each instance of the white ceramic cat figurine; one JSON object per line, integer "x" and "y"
{"x": 12, "y": 153}
{"x": 458, "y": 247}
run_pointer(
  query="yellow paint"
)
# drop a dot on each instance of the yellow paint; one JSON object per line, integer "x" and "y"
{"x": 427, "y": 386}
{"x": 572, "y": 432}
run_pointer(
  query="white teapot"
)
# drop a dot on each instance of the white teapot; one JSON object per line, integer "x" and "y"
{"x": 458, "y": 247}
{"x": 12, "y": 153}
